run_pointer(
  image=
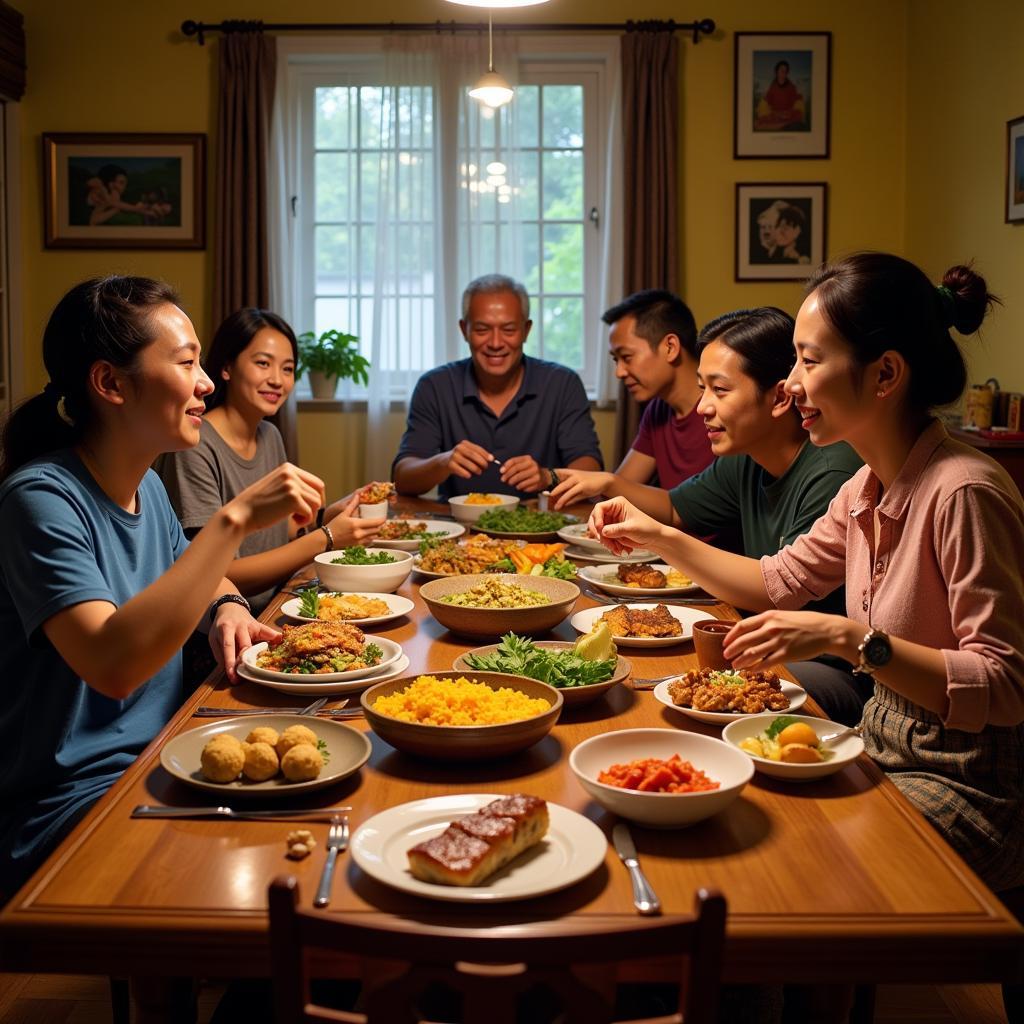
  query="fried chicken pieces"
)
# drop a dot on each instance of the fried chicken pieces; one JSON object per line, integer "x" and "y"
{"x": 642, "y": 574}
{"x": 747, "y": 693}
{"x": 642, "y": 622}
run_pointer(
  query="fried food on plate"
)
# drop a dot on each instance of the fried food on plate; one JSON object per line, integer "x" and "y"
{"x": 642, "y": 622}
{"x": 642, "y": 574}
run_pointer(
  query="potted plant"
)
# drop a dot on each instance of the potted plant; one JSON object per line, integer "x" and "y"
{"x": 330, "y": 357}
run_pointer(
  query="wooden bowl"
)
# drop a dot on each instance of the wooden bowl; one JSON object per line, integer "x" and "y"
{"x": 464, "y": 742}
{"x": 497, "y": 621}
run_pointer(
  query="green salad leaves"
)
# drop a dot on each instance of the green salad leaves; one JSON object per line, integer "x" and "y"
{"x": 358, "y": 556}
{"x": 561, "y": 669}
{"x": 309, "y": 603}
{"x": 522, "y": 520}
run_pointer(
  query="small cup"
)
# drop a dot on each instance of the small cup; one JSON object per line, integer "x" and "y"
{"x": 542, "y": 501}
{"x": 708, "y": 640}
{"x": 374, "y": 510}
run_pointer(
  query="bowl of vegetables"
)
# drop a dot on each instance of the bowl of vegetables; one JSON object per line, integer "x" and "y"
{"x": 523, "y": 524}
{"x": 468, "y": 508}
{"x": 359, "y": 568}
{"x": 565, "y": 666}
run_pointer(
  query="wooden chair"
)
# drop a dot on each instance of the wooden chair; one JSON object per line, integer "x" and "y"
{"x": 489, "y": 970}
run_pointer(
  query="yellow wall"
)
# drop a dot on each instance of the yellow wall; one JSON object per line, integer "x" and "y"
{"x": 966, "y": 80}
{"x": 145, "y": 77}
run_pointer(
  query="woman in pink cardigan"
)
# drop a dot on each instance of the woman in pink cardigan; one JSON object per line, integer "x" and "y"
{"x": 928, "y": 538}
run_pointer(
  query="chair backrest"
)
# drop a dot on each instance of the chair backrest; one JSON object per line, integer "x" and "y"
{"x": 488, "y": 968}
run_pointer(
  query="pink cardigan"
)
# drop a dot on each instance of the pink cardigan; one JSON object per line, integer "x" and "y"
{"x": 947, "y": 573}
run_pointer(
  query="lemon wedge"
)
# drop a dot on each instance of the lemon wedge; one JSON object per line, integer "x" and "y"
{"x": 597, "y": 645}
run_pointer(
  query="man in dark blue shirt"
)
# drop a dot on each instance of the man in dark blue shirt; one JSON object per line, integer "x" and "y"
{"x": 499, "y": 420}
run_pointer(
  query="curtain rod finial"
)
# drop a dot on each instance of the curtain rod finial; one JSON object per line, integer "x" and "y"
{"x": 193, "y": 28}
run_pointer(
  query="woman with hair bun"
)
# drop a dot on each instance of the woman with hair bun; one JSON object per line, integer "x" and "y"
{"x": 928, "y": 539}
{"x": 98, "y": 587}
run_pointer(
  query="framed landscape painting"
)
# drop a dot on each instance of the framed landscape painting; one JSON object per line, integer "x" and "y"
{"x": 124, "y": 191}
{"x": 782, "y": 85}
{"x": 780, "y": 230}
{"x": 1015, "y": 170}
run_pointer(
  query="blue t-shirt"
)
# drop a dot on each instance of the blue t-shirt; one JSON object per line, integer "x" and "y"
{"x": 62, "y": 542}
{"x": 549, "y": 418}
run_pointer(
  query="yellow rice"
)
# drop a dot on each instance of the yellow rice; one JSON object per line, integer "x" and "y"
{"x": 432, "y": 701}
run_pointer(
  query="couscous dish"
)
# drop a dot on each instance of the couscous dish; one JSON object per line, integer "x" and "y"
{"x": 431, "y": 701}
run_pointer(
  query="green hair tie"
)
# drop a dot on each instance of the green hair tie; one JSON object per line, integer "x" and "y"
{"x": 948, "y": 302}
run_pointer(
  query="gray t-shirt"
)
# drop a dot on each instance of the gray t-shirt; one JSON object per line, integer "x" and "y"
{"x": 202, "y": 479}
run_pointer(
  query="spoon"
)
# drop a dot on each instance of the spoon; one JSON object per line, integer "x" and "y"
{"x": 830, "y": 739}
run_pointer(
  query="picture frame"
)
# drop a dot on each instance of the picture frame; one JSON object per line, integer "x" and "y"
{"x": 782, "y": 95}
{"x": 781, "y": 229}
{"x": 1015, "y": 170}
{"x": 120, "y": 190}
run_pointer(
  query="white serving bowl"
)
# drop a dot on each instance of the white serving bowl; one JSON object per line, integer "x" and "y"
{"x": 385, "y": 578}
{"x": 471, "y": 513}
{"x": 848, "y": 749}
{"x": 727, "y": 765}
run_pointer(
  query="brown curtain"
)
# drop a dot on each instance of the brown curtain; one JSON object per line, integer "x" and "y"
{"x": 650, "y": 117}
{"x": 12, "y": 53}
{"x": 248, "y": 65}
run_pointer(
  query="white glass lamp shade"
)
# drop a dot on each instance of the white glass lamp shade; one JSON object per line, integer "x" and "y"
{"x": 492, "y": 89}
{"x": 495, "y": 4}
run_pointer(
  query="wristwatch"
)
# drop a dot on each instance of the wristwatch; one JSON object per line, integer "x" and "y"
{"x": 875, "y": 652}
{"x": 554, "y": 479}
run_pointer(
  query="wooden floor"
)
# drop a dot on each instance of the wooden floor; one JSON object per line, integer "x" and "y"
{"x": 72, "y": 999}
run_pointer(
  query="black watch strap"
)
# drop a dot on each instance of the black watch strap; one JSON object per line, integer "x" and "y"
{"x": 228, "y": 599}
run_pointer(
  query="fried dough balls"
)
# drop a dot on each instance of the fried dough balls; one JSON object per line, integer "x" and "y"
{"x": 263, "y": 734}
{"x": 222, "y": 758}
{"x": 260, "y": 760}
{"x": 302, "y": 762}
{"x": 292, "y": 736}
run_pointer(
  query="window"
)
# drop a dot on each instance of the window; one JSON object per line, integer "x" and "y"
{"x": 522, "y": 189}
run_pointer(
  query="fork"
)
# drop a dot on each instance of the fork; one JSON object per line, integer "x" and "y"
{"x": 337, "y": 842}
{"x": 651, "y": 683}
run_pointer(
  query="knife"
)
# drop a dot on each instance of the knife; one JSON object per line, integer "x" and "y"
{"x": 209, "y": 712}
{"x": 149, "y": 811}
{"x": 644, "y": 898}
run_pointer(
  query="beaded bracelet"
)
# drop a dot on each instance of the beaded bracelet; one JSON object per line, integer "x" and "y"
{"x": 328, "y": 535}
{"x": 229, "y": 599}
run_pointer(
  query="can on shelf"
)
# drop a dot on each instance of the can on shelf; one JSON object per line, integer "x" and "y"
{"x": 978, "y": 406}
{"x": 1013, "y": 411}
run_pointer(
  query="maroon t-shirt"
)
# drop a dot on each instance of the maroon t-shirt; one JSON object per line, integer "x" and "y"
{"x": 678, "y": 444}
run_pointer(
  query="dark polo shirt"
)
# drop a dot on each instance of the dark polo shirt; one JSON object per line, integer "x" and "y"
{"x": 549, "y": 418}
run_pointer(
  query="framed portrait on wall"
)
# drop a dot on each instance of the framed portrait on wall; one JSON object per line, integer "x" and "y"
{"x": 124, "y": 191}
{"x": 1015, "y": 170}
{"x": 782, "y": 104}
{"x": 780, "y": 230}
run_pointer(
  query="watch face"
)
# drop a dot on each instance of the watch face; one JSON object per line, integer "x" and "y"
{"x": 878, "y": 651}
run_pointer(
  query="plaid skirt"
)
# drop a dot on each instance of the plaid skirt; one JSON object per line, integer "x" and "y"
{"x": 970, "y": 786}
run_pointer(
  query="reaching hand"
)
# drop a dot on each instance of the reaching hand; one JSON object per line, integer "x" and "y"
{"x": 777, "y": 636}
{"x": 284, "y": 491}
{"x": 467, "y": 459}
{"x": 622, "y": 527}
{"x": 348, "y": 531}
{"x": 233, "y": 630}
{"x": 523, "y": 473}
{"x": 576, "y": 484}
{"x": 347, "y": 506}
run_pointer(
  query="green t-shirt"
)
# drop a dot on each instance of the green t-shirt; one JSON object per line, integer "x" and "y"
{"x": 771, "y": 512}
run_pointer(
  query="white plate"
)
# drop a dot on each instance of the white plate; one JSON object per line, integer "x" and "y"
{"x": 796, "y": 694}
{"x": 449, "y": 530}
{"x": 578, "y": 554}
{"x": 608, "y": 580}
{"x": 310, "y": 688}
{"x": 392, "y": 652}
{"x": 576, "y": 533}
{"x": 348, "y": 750}
{"x": 573, "y": 847}
{"x": 396, "y": 605}
{"x": 584, "y": 621}
{"x": 848, "y": 749}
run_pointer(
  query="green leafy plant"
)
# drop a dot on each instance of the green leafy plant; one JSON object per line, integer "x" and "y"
{"x": 309, "y": 603}
{"x": 521, "y": 657}
{"x": 333, "y": 354}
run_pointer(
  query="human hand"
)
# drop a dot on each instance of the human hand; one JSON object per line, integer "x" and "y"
{"x": 233, "y": 630}
{"x": 287, "y": 490}
{"x": 775, "y": 636}
{"x": 576, "y": 484}
{"x": 622, "y": 528}
{"x": 347, "y": 506}
{"x": 523, "y": 473}
{"x": 348, "y": 530}
{"x": 467, "y": 459}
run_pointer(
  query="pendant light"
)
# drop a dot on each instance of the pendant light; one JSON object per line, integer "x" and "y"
{"x": 497, "y": 3}
{"x": 491, "y": 88}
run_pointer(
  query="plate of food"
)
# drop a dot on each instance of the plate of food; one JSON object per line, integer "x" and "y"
{"x": 630, "y": 579}
{"x": 265, "y": 755}
{"x": 311, "y": 686}
{"x": 359, "y": 609}
{"x": 604, "y": 556}
{"x": 520, "y": 847}
{"x": 468, "y": 557}
{"x": 406, "y": 534}
{"x": 523, "y": 523}
{"x": 331, "y": 651}
{"x": 641, "y": 625}
{"x": 720, "y": 697}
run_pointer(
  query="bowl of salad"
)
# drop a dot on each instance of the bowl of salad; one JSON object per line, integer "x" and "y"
{"x": 359, "y": 568}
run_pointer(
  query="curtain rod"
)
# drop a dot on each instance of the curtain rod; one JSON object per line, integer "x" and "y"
{"x": 705, "y": 26}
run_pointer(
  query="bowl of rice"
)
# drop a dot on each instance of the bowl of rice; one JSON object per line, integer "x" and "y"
{"x": 460, "y": 716}
{"x": 492, "y": 604}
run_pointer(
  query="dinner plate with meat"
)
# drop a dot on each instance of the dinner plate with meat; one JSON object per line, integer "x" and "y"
{"x": 405, "y": 534}
{"x": 571, "y": 848}
{"x": 642, "y": 625}
{"x": 359, "y": 609}
{"x": 313, "y": 686}
{"x": 640, "y": 579}
{"x": 720, "y": 697}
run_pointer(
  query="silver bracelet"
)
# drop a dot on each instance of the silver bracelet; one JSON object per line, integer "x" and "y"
{"x": 328, "y": 535}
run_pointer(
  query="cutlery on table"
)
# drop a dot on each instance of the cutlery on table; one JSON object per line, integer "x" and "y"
{"x": 337, "y": 842}
{"x": 151, "y": 811}
{"x": 841, "y": 734}
{"x": 313, "y": 708}
{"x": 644, "y": 898}
{"x": 210, "y": 712}
{"x": 651, "y": 683}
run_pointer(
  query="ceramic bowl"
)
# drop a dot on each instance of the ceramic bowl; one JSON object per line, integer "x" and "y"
{"x": 719, "y": 761}
{"x": 495, "y": 622}
{"x": 464, "y": 742}
{"x": 471, "y": 513}
{"x": 384, "y": 578}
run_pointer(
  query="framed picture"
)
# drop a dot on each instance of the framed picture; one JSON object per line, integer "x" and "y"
{"x": 1015, "y": 170}
{"x": 780, "y": 230}
{"x": 124, "y": 191}
{"x": 783, "y": 85}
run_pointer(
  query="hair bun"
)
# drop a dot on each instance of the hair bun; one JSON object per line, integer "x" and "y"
{"x": 965, "y": 298}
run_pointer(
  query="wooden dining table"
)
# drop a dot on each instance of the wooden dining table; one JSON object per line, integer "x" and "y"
{"x": 838, "y": 880}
